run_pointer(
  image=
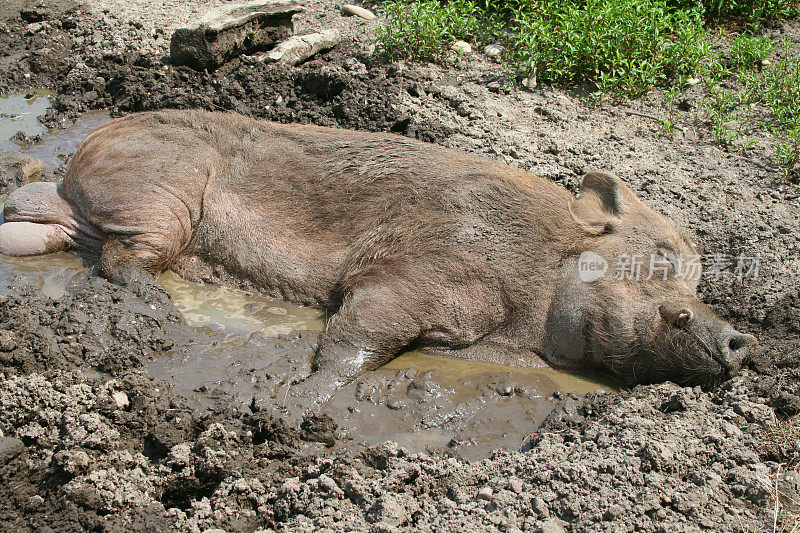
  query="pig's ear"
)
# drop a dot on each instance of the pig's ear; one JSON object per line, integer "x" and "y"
{"x": 604, "y": 191}
{"x": 601, "y": 200}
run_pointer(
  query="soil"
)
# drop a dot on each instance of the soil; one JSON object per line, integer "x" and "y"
{"x": 91, "y": 440}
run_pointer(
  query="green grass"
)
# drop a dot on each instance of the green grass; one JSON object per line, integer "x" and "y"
{"x": 747, "y": 10}
{"x": 425, "y": 29}
{"x": 623, "y": 48}
{"x": 733, "y": 87}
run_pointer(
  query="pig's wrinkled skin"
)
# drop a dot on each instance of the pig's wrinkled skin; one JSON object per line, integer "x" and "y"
{"x": 411, "y": 244}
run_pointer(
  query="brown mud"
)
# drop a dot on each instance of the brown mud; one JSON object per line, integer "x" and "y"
{"x": 90, "y": 440}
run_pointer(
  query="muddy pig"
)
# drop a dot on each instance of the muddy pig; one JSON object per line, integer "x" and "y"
{"x": 407, "y": 244}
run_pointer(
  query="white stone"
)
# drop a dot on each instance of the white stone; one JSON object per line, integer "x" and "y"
{"x": 121, "y": 399}
{"x": 493, "y": 50}
{"x": 461, "y": 46}
{"x": 358, "y": 11}
{"x": 300, "y": 47}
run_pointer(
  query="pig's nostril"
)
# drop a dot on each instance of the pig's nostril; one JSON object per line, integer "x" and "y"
{"x": 739, "y": 342}
{"x": 739, "y": 346}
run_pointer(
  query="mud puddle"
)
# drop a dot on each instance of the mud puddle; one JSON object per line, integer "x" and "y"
{"x": 20, "y": 112}
{"x": 244, "y": 348}
{"x": 254, "y": 345}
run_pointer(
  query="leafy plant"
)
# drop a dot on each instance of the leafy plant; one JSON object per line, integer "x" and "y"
{"x": 425, "y": 29}
{"x": 748, "y": 50}
{"x": 624, "y": 46}
{"x": 749, "y": 10}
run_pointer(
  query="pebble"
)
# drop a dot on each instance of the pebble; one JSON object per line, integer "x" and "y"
{"x": 461, "y": 46}
{"x": 485, "y": 493}
{"x": 493, "y": 50}
{"x": 358, "y": 11}
{"x": 766, "y": 62}
{"x": 10, "y": 447}
{"x": 693, "y": 81}
{"x": 121, "y": 399}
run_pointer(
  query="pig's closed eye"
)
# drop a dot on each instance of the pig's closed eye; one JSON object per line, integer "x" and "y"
{"x": 668, "y": 255}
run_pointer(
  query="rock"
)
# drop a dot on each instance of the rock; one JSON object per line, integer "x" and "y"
{"x": 693, "y": 81}
{"x": 10, "y": 447}
{"x": 300, "y": 47}
{"x": 551, "y": 525}
{"x": 358, "y": 11}
{"x": 485, "y": 493}
{"x": 229, "y": 31}
{"x": 493, "y": 50}
{"x": 765, "y": 62}
{"x": 462, "y": 47}
{"x": 789, "y": 491}
{"x": 120, "y": 399}
{"x": 7, "y": 341}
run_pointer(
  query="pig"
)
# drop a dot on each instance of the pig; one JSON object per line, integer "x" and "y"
{"x": 406, "y": 245}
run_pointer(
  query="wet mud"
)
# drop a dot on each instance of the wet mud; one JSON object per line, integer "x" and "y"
{"x": 118, "y": 414}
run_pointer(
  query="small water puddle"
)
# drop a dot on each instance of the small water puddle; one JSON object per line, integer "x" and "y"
{"x": 20, "y": 112}
{"x": 237, "y": 313}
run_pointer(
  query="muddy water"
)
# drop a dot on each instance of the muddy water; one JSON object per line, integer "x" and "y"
{"x": 20, "y": 113}
{"x": 246, "y": 347}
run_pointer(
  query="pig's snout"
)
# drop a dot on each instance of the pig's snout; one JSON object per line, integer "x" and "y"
{"x": 727, "y": 346}
{"x": 734, "y": 349}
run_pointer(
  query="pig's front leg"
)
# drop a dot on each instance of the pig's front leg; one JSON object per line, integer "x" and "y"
{"x": 372, "y": 326}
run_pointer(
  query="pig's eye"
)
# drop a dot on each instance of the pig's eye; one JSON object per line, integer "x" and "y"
{"x": 668, "y": 255}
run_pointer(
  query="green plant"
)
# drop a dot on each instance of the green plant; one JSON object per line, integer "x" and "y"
{"x": 622, "y": 46}
{"x": 748, "y": 10}
{"x": 748, "y": 50}
{"x": 787, "y": 152}
{"x": 425, "y": 29}
{"x": 779, "y": 88}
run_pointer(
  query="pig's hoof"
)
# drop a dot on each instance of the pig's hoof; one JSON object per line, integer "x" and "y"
{"x": 309, "y": 396}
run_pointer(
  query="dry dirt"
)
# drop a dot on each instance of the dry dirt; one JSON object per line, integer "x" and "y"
{"x": 91, "y": 442}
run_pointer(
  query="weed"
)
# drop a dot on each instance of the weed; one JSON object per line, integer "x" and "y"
{"x": 749, "y": 10}
{"x": 425, "y": 29}
{"x": 747, "y": 50}
{"x": 621, "y": 46}
{"x": 787, "y": 152}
